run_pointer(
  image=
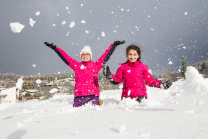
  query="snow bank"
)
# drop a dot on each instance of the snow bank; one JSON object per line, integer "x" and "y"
{"x": 194, "y": 83}
{"x": 19, "y": 83}
{"x": 16, "y": 27}
{"x": 4, "y": 106}
{"x": 54, "y": 90}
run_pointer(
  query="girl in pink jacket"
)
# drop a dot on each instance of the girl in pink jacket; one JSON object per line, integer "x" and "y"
{"x": 86, "y": 72}
{"x": 134, "y": 75}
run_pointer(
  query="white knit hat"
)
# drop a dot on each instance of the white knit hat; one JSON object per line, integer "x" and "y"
{"x": 86, "y": 48}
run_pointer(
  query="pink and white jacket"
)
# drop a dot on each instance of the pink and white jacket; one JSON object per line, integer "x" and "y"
{"x": 134, "y": 76}
{"x": 86, "y": 73}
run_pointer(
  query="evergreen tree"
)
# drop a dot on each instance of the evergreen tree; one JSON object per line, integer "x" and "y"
{"x": 184, "y": 66}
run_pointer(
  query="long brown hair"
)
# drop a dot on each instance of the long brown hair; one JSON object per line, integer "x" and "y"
{"x": 134, "y": 47}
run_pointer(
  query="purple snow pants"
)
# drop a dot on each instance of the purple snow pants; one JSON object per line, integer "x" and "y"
{"x": 81, "y": 100}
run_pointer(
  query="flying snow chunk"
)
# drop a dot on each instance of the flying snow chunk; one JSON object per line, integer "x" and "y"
{"x": 81, "y": 5}
{"x": 54, "y": 25}
{"x": 122, "y": 9}
{"x": 38, "y": 81}
{"x": 72, "y": 24}
{"x": 184, "y": 47}
{"x": 64, "y": 22}
{"x": 67, "y": 8}
{"x": 170, "y": 63}
{"x": 103, "y": 34}
{"x": 57, "y": 14}
{"x": 129, "y": 92}
{"x": 34, "y": 65}
{"x": 32, "y": 22}
{"x": 152, "y": 29}
{"x": 127, "y": 10}
{"x": 111, "y": 12}
{"x": 83, "y": 22}
{"x": 86, "y": 31}
{"x": 185, "y": 13}
{"x": 122, "y": 128}
{"x": 16, "y": 27}
{"x": 58, "y": 72}
{"x": 37, "y": 13}
{"x": 82, "y": 67}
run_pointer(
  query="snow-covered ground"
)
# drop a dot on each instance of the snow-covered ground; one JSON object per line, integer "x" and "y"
{"x": 181, "y": 112}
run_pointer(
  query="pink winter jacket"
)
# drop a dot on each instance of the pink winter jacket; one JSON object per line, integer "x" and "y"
{"x": 134, "y": 77}
{"x": 86, "y": 73}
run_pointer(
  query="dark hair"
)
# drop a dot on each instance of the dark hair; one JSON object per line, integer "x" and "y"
{"x": 134, "y": 47}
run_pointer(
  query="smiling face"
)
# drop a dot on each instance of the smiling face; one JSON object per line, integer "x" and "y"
{"x": 132, "y": 55}
{"x": 85, "y": 56}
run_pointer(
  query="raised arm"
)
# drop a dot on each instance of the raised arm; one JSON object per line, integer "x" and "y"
{"x": 63, "y": 55}
{"x": 106, "y": 55}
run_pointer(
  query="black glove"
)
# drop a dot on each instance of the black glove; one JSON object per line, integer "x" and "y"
{"x": 116, "y": 43}
{"x": 107, "y": 74}
{"x": 52, "y": 46}
{"x": 165, "y": 84}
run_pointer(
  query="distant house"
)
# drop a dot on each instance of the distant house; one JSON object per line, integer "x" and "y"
{"x": 9, "y": 95}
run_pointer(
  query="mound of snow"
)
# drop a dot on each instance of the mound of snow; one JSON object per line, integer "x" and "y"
{"x": 19, "y": 83}
{"x": 16, "y": 27}
{"x": 54, "y": 90}
{"x": 194, "y": 83}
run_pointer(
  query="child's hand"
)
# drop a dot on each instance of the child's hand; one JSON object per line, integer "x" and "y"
{"x": 116, "y": 43}
{"x": 106, "y": 72}
{"x": 165, "y": 84}
{"x": 52, "y": 46}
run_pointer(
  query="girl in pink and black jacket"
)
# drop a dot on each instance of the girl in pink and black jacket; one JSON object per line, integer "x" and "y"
{"x": 86, "y": 72}
{"x": 134, "y": 75}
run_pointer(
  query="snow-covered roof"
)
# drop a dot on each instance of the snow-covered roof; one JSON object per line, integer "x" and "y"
{"x": 2, "y": 89}
{"x": 49, "y": 84}
{"x": 1, "y": 94}
{"x": 32, "y": 91}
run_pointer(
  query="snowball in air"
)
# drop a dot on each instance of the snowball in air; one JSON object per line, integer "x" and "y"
{"x": 86, "y": 31}
{"x": 83, "y": 22}
{"x": 170, "y": 62}
{"x": 129, "y": 92}
{"x": 185, "y": 13}
{"x": 103, "y": 34}
{"x": 64, "y": 22}
{"x": 54, "y": 25}
{"x": 32, "y": 22}
{"x": 37, "y": 13}
{"x": 16, "y": 27}
{"x": 72, "y": 24}
{"x": 67, "y": 8}
{"x": 34, "y": 65}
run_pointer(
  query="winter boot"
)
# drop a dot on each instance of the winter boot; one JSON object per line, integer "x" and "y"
{"x": 100, "y": 102}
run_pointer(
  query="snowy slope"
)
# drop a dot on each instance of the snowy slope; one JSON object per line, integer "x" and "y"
{"x": 176, "y": 113}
